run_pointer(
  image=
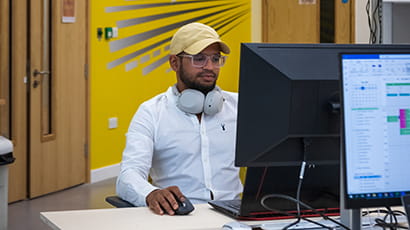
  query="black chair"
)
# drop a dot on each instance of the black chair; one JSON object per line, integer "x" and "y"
{"x": 117, "y": 202}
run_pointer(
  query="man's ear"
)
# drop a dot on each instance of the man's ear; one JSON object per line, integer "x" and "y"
{"x": 173, "y": 62}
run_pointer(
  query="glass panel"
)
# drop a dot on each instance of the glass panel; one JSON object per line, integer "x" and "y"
{"x": 327, "y": 21}
{"x": 46, "y": 81}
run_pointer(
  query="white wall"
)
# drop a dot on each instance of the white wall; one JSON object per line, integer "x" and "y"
{"x": 362, "y": 31}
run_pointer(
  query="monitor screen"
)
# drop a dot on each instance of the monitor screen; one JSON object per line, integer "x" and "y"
{"x": 376, "y": 111}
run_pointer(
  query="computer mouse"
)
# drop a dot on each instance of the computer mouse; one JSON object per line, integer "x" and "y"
{"x": 184, "y": 208}
{"x": 235, "y": 225}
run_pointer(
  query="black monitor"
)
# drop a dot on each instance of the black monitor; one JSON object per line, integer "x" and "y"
{"x": 376, "y": 126}
{"x": 288, "y": 96}
{"x": 289, "y": 111}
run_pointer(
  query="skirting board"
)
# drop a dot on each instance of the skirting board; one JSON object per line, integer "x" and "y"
{"x": 105, "y": 173}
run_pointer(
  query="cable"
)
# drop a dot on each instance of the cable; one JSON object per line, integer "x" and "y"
{"x": 374, "y": 24}
{"x": 302, "y": 171}
{"x": 306, "y": 144}
{"x": 396, "y": 212}
{"x": 302, "y": 204}
{"x": 377, "y": 21}
{"x": 287, "y": 213}
{"x": 369, "y": 22}
{"x": 380, "y": 13}
{"x": 392, "y": 223}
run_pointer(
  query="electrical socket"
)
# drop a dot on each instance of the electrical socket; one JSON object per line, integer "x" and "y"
{"x": 112, "y": 123}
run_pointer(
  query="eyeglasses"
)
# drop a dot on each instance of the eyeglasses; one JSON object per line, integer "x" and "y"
{"x": 200, "y": 60}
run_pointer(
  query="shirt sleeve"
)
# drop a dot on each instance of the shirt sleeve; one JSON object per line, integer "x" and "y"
{"x": 132, "y": 183}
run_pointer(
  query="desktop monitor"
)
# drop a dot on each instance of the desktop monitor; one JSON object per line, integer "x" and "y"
{"x": 289, "y": 112}
{"x": 376, "y": 126}
{"x": 288, "y": 104}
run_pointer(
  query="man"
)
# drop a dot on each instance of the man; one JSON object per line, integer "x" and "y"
{"x": 184, "y": 138}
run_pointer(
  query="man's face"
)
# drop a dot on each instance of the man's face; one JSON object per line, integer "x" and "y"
{"x": 199, "y": 78}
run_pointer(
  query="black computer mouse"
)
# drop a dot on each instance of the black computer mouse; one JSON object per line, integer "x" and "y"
{"x": 184, "y": 208}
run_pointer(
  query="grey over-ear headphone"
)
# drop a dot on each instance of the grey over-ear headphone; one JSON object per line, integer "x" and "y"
{"x": 194, "y": 101}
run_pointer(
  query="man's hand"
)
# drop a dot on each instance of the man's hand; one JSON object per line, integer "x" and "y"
{"x": 164, "y": 200}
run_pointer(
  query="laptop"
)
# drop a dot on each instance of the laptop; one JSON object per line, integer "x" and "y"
{"x": 320, "y": 190}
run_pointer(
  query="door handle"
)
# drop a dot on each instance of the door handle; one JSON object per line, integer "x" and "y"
{"x": 36, "y": 72}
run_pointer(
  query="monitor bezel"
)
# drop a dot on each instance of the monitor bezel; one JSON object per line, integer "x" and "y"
{"x": 357, "y": 203}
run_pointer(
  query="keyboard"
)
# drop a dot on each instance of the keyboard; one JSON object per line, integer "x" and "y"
{"x": 235, "y": 204}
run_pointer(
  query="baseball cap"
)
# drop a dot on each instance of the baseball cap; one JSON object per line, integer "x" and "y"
{"x": 192, "y": 38}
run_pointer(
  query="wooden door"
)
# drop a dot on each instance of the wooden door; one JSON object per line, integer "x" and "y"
{"x": 307, "y": 21}
{"x": 4, "y": 69}
{"x": 295, "y": 21}
{"x": 13, "y": 87}
{"x": 345, "y": 22}
{"x": 58, "y": 95}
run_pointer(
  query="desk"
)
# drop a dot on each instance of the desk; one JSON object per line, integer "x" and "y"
{"x": 202, "y": 218}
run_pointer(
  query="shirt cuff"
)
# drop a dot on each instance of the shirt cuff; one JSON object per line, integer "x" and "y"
{"x": 145, "y": 192}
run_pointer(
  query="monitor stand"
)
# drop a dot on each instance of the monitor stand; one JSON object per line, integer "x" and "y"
{"x": 351, "y": 218}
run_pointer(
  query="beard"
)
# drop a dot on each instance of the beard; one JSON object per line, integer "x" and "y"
{"x": 190, "y": 82}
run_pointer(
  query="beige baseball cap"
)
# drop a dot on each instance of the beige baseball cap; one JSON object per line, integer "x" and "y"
{"x": 192, "y": 38}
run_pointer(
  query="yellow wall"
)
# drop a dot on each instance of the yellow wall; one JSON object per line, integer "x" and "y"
{"x": 118, "y": 88}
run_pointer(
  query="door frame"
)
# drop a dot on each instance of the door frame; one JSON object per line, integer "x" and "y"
{"x": 5, "y": 68}
{"x": 18, "y": 66}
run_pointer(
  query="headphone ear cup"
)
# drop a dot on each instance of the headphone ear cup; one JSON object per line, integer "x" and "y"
{"x": 191, "y": 101}
{"x": 213, "y": 102}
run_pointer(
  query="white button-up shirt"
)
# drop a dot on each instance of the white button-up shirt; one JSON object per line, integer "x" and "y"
{"x": 174, "y": 148}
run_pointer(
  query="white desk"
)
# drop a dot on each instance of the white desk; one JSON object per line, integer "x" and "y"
{"x": 202, "y": 218}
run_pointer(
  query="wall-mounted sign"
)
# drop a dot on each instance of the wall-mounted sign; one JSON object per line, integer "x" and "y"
{"x": 68, "y": 11}
{"x": 307, "y": 2}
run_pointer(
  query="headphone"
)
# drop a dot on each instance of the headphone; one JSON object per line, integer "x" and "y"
{"x": 194, "y": 101}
